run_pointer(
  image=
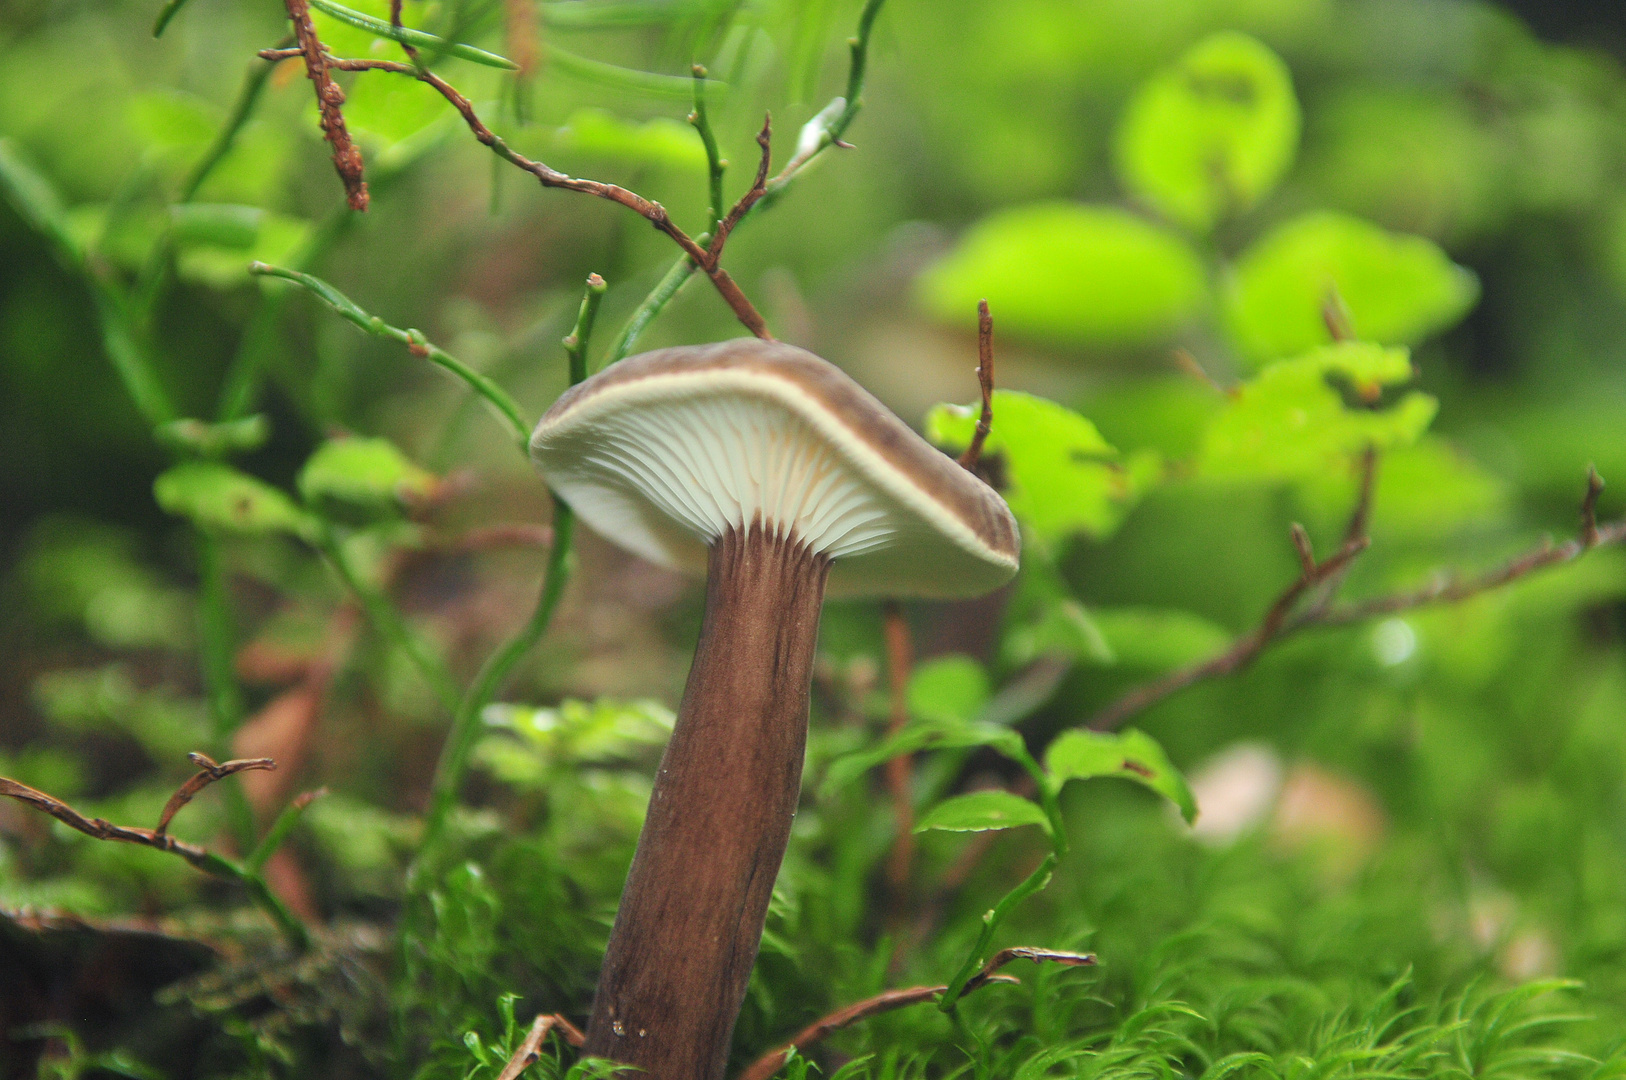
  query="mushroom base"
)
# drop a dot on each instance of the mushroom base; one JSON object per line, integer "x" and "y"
{"x": 691, "y": 914}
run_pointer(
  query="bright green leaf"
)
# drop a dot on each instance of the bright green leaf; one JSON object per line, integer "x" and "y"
{"x": 1063, "y": 477}
{"x": 1211, "y": 135}
{"x": 983, "y": 811}
{"x": 216, "y": 242}
{"x": 1069, "y": 273}
{"x": 948, "y": 690}
{"x": 1131, "y": 755}
{"x": 1398, "y": 289}
{"x": 917, "y": 736}
{"x": 1290, "y": 421}
{"x": 370, "y": 476}
{"x": 217, "y": 496}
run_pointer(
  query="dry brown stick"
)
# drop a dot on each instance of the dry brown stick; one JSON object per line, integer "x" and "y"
{"x": 105, "y": 830}
{"x": 1445, "y": 589}
{"x": 329, "y": 98}
{"x": 208, "y": 773}
{"x": 765, "y": 1066}
{"x": 652, "y": 211}
{"x": 985, "y": 380}
{"x": 400, "y": 39}
{"x": 1250, "y": 645}
{"x": 530, "y": 1050}
{"x": 900, "y": 770}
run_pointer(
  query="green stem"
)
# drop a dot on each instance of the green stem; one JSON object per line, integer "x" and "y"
{"x": 279, "y": 831}
{"x": 680, "y": 270}
{"x": 388, "y": 620}
{"x": 461, "y": 740}
{"x": 1033, "y": 883}
{"x": 408, "y": 36}
{"x": 293, "y": 930}
{"x": 714, "y": 161}
{"x": 658, "y": 298}
{"x": 415, "y": 342}
{"x": 247, "y": 98}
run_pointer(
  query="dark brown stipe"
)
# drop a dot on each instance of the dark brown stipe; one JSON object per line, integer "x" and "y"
{"x": 696, "y": 898}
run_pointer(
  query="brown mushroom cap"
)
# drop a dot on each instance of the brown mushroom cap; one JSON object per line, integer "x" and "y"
{"x": 662, "y": 452}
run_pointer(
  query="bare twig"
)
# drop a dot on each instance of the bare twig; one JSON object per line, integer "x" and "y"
{"x": 549, "y": 177}
{"x": 530, "y": 1050}
{"x": 329, "y": 98}
{"x": 105, "y": 830}
{"x": 900, "y": 770}
{"x": 1246, "y": 648}
{"x": 1446, "y": 588}
{"x": 765, "y": 1066}
{"x": 1187, "y": 362}
{"x": 395, "y": 24}
{"x": 985, "y": 380}
{"x": 208, "y": 773}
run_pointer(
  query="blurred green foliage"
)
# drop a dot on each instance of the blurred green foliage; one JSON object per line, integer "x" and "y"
{"x": 233, "y": 524}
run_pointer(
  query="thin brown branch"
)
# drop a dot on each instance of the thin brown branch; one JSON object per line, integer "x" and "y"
{"x": 1187, "y": 362}
{"x": 765, "y": 1066}
{"x": 1446, "y": 588}
{"x": 329, "y": 99}
{"x": 530, "y": 1050}
{"x": 759, "y": 188}
{"x": 105, "y": 830}
{"x": 1025, "y": 952}
{"x": 208, "y": 773}
{"x": 900, "y": 770}
{"x": 395, "y": 23}
{"x": 549, "y": 177}
{"x": 1246, "y": 648}
{"x": 985, "y": 380}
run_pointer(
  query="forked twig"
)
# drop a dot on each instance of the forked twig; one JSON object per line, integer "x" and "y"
{"x": 208, "y": 773}
{"x": 985, "y": 380}
{"x": 765, "y": 1066}
{"x": 759, "y": 188}
{"x": 549, "y": 177}
{"x": 1246, "y": 647}
{"x": 530, "y": 1050}
{"x": 1446, "y": 588}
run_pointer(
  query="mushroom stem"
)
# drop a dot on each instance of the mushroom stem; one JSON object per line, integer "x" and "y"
{"x": 692, "y": 911}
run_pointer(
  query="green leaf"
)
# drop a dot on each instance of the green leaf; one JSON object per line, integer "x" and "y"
{"x": 983, "y": 811}
{"x": 1131, "y": 755}
{"x": 216, "y": 496}
{"x": 1291, "y": 422}
{"x": 948, "y": 690}
{"x": 917, "y": 736}
{"x": 1070, "y": 274}
{"x": 348, "y": 477}
{"x": 1211, "y": 135}
{"x": 1159, "y": 639}
{"x": 1398, "y": 289}
{"x": 1065, "y": 628}
{"x": 1063, "y": 477}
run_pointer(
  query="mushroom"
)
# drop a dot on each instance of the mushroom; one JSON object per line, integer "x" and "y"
{"x": 772, "y": 472}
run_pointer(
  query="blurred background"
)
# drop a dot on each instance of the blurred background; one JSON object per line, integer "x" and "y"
{"x": 1434, "y": 800}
